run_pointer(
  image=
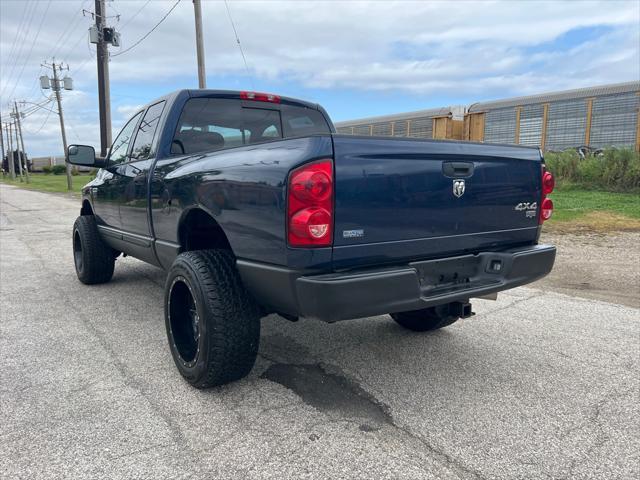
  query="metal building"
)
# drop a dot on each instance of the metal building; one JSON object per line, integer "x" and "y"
{"x": 595, "y": 117}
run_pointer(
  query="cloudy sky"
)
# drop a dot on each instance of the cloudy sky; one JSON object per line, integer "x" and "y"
{"x": 355, "y": 58}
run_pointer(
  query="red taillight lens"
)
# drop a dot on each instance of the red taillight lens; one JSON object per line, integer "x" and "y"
{"x": 310, "y": 205}
{"x": 546, "y": 205}
{"x": 311, "y": 185}
{"x": 548, "y": 183}
{"x": 546, "y": 210}
{"x": 312, "y": 222}
{"x": 260, "y": 97}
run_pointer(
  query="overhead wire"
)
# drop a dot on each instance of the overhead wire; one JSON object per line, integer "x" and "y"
{"x": 22, "y": 35}
{"x": 235, "y": 32}
{"x": 46, "y": 119}
{"x": 33, "y": 43}
{"x": 132, "y": 17}
{"x": 66, "y": 33}
{"x": 141, "y": 39}
{"x": 15, "y": 38}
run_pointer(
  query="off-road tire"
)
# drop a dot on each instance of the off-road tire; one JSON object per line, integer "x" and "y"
{"x": 424, "y": 320}
{"x": 93, "y": 258}
{"x": 224, "y": 322}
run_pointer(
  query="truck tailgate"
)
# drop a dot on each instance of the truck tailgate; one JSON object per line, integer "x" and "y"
{"x": 403, "y": 199}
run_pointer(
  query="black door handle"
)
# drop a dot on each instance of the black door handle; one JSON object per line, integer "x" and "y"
{"x": 457, "y": 169}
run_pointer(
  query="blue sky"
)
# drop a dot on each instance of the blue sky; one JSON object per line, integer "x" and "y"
{"x": 355, "y": 58}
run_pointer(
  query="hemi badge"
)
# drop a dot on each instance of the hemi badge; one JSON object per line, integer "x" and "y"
{"x": 353, "y": 233}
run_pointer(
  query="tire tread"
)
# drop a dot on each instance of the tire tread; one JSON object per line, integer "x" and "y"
{"x": 97, "y": 257}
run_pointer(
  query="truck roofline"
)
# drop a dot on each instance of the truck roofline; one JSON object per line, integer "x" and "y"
{"x": 234, "y": 94}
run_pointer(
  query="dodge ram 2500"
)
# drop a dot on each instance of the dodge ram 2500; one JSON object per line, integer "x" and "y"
{"x": 254, "y": 205}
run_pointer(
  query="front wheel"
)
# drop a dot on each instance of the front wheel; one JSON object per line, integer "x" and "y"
{"x": 213, "y": 324}
{"x": 94, "y": 260}
{"x": 425, "y": 320}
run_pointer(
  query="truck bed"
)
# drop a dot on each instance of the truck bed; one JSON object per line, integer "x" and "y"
{"x": 395, "y": 199}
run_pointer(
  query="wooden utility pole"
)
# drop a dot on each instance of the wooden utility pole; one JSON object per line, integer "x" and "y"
{"x": 18, "y": 153}
{"x": 56, "y": 89}
{"x": 2, "y": 141}
{"x": 24, "y": 152}
{"x": 10, "y": 161}
{"x": 202, "y": 76}
{"x": 104, "y": 94}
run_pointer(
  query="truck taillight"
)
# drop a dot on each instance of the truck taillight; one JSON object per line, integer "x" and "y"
{"x": 310, "y": 205}
{"x": 546, "y": 205}
{"x": 548, "y": 183}
{"x": 260, "y": 97}
{"x": 546, "y": 210}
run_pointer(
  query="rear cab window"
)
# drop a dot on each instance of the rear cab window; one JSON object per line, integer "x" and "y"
{"x": 208, "y": 124}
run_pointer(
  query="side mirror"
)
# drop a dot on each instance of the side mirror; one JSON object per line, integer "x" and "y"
{"x": 84, "y": 155}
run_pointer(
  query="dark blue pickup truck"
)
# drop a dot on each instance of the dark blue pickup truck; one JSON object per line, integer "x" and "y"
{"x": 254, "y": 205}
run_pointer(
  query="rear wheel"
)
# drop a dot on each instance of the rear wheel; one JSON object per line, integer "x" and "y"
{"x": 94, "y": 260}
{"x": 213, "y": 324}
{"x": 426, "y": 319}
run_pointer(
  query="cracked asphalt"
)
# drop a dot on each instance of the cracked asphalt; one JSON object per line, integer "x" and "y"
{"x": 537, "y": 384}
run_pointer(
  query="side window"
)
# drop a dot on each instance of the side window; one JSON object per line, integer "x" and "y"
{"x": 120, "y": 145}
{"x": 146, "y": 132}
{"x": 208, "y": 124}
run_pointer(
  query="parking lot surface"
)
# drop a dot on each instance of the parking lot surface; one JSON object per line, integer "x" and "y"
{"x": 537, "y": 384}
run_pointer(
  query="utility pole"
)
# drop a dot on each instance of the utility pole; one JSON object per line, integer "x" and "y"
{"x": 2, "y": 141}
{"x": 18, "y": 153}
{"x": 10, "y": 161}
{"x": 56, "y": 89}
{"x": 24, "y": 152}
{"x": 202, "y": 77}
{"x": 104, "y": 95}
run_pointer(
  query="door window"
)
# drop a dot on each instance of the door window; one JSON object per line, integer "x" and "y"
{"x": 146, "y": 131}
{"x": 120, "y": 146}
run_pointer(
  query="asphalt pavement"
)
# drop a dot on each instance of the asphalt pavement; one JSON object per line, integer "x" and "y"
{"x": 536, "y": 385}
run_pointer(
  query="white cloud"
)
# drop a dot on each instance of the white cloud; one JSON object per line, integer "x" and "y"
{"x": 421, "y": 49}
{"x": 128, "y": 110}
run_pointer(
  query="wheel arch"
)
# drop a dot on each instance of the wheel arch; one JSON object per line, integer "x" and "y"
{"x": 86, "y": 208}
{"x": 199, "y": 230}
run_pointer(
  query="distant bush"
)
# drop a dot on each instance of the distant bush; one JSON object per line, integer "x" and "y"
{"x": 614, "y": 169}
{"x": 46, "y": 169}
{"x": 59, "y": 169}
{"x": 75, "y": 172}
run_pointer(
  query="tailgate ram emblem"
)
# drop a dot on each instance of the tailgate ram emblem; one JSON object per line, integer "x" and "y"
{"x": 458, "y": 188}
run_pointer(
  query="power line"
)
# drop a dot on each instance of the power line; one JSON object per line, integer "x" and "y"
{"x": 132, "y": 17}
{"x": 20, "y": 24}
{"x": 21, "y": 41}
{"x": 149, "y": 32}
{"x": 46, "y": 119}
{"x": 244, "y": 59}
{"x": 71, "y": 26}
{"x": 33, "y": 43}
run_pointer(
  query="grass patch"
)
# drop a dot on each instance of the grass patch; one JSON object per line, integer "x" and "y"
{"x": 576, "y": 208}
{"x": 49, "y": 183}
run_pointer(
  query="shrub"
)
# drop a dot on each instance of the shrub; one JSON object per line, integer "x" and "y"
{"x": 59, "y": 169}
{"x": 74, "y": 171}
{"x": 46, "y": 169}
{"x": 616, "y": 169}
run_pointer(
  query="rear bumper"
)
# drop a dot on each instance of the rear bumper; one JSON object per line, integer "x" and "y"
{"x": 356, "y": 294}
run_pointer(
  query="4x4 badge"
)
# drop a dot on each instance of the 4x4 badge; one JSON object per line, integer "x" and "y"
{"x": 458, "y": 188}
